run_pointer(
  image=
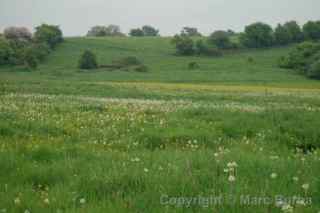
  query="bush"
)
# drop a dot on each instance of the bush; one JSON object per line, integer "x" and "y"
{"x": 311, "y": 30}
{"x": 88, "y": 60}
{"x": 17, "y": 33}
{"x": 184, "y": 45}
{"x": 193, "y": 65}
{"x": 6, "y": 52}
{"x": 257, "y": 35}
{"x": 41, "y": 50}
{"x": 50, "y": 34}
{"x": 127, "y": 61}
{"x": 220, "y": 39}
{"x": 30, "y": 59}
{"x": 314, "y": 70}
{"x": 250, "y": 59}
{"x": 204, "y": 49}
{"x": 304, "y": 57}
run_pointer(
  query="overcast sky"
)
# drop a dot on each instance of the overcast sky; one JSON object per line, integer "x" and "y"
{"x": 76, "y": 16}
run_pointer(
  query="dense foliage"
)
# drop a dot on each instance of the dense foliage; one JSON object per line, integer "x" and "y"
{"x": 50, "y": 34}
{"x": 190, "y": 31}
{"x": 19, "y": 47}
{"x": 257, "y": 35}
{"x": 304, "y": 57}
{"x": 221, "y": 39}
{"x": 184, "y": 45}
{"x": 146, "y": 30}
{"x": 88, "y": 60}
{"x": 100, "y": 31}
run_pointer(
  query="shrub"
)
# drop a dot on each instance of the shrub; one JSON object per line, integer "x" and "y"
{"x": 127, "y": 61}
{"x": 220, "y": 39}
{"x": 184, "y": 45}
{"x": 204, "y": 49}
{"x": 6, "y": 52}
{"x": 250, "y": 59}
{"x": 141, "y": 68}
{"x": 257, "y": 35}
{"x": 193, "y": 65}
{"x": 301, "y": 56}
{"x": 41, "y": 50}
{"x": 30, "y": 59}
{"x": 50, "y": 34}
{"x": 311, "y": 30}
{"x": 88, "y": 60}
{"x": 314, "y": 70}
{"x": 17, "y": 33}
{"x": 305, "y": 57}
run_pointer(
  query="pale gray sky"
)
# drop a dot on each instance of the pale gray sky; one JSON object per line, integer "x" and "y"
{"x": 76, "y": 16}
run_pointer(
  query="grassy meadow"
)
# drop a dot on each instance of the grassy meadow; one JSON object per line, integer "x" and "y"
{"x": 230, "y": 136}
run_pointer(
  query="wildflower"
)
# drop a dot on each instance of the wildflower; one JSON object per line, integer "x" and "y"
{"x": 231, "y": 178}
{"x": 295, "y": 179}
{"x": 232, "y": 164}
{"x": 82, "y": 201}
{"x": 301, "y": 202}
{"x": 274, "y": 175}
{"x": 146, "y": 170}
{"x": 287, "y": 208}
{"x": 26, "y": 211}
{"x": 226, "y": 170}
{"x": 305, "y": 186}
{"x": 46, "y": 201}
{"x": 17, "y": 201}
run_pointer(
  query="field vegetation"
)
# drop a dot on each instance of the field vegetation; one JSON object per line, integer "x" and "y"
{"x": 170, "y": 138}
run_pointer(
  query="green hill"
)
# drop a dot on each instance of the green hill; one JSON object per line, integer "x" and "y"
{"x": 158, "y": 54}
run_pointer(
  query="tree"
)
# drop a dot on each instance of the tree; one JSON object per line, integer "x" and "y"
{"x": 50, "y": 34}
{"x": 136, "y": 32}
{"x": 257, "y": 35}
{"x": 150, "y": 31}
{"x": 88, "y": 60}
{"x": 220, "y": 39}
{"x": 295, "y": 31}
{"x": 311, "y": 30}
{"x": 6, "y": 52}
{"x": 97, "y": 31}
{"x": 282, "y": 35}
{"x": 314, "y": 70}
{"x": 113, "y": 30}
{"x": 190, "y": 31}
{"x": 17, "y": 34}
{"x": 30, "y": 59}
{"x": 184, "y": 45}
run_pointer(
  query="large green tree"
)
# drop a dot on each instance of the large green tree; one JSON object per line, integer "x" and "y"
{"x": 257, "y": 35}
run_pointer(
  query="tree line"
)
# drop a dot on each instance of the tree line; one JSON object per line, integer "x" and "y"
{"x": 256, "y": 35}
{"x": 18, "y": 46}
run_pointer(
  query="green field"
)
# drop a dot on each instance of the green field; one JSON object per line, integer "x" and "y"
{"x": 231, "y": 136}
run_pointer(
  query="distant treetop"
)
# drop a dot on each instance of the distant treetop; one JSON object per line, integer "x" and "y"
{"x": 100, "y": 31}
